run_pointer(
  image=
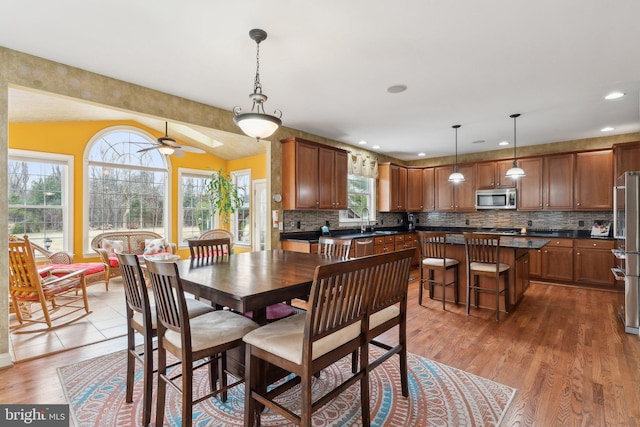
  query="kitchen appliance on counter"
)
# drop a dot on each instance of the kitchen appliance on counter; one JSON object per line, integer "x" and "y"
{"x": 626, "y": 213}
{"x": 411, "y": 222}
{"x": 498, "y": 198}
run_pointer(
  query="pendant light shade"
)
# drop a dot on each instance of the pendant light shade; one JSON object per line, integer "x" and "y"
{"x": 257, "y": 124}
{"x": 515, "y": 172}
{"x": 456, "y": 176}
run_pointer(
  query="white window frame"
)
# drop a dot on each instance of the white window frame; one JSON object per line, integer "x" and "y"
{"x": 182, "y": 172}
{"x": 346, "y": 221}
{"x": 234, "y": 218}
{"x": 67, "y": 186}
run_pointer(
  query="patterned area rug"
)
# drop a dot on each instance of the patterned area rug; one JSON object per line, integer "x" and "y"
{"x": 439, "y": 396}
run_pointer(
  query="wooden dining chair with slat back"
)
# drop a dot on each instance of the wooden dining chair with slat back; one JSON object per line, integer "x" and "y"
{"x": 141, "y": 318}
{"x": 483, "y": 259}
{"x": 208, "y": 250}
{"x": 196, "y": 342}
{"x": 433, "y": 258}
{"x": 334, "y": 247}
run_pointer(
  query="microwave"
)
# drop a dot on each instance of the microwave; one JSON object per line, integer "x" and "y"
{"x": 496, "y": 199}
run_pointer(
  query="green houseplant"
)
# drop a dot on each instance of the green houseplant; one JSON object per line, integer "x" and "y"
{"x": 224, "y": 195}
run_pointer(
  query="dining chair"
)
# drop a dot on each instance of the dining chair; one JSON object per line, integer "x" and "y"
{"x": 211, "y": 249}
{"x": 29, "y": 285}
{"x": 218, "y": 233}
{"x": 433, "y": 255}
{"x": 483, "y": 259}
{"x": 196, "y": 342}
{"x": 141, "y": 318}
{"x": 334, "y": 247}
{"x": 388, "y": 310}
{"x": 333, "y": 326}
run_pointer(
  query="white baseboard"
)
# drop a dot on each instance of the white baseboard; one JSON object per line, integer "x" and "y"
{"x": 5, "y": 360}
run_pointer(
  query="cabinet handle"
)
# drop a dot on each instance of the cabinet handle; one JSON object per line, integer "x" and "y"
{"x": 547, "y": 204}
{"x": 578, "y": 204}
{"x": 578, "y": 254}
{"x": 595, "y": 244}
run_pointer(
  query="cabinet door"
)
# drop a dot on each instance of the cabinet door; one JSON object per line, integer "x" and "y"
{"x": 415, "y": 190}
{"x": 340, "y": 180}
{"x": 535, "y": 262}
{"x": 399, "y": 183}
{"x": 502, "y": 181}
{"x": 326, "y": 173}
{"x": 558, "y": 182}
{"x": 593, "y": 261}
{"x": 522, "y": 277}
{"x": 530, "y": 186}
{"x": 429, "y": 189}
{"x": 557, "y": 263}
{"x": 594, "y": 180}
{"x": 627, "y": 158}
{"x": 486, "y": 175}
{"x": 465, "y": 192}
{"x": 307, "y": 176}
{"x": 444, "y": 189}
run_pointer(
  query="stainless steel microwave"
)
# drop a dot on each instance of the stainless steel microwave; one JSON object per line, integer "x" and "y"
{"x": 496, "y": 199}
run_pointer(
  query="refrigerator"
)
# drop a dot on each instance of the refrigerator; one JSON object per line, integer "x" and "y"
{"x": 626, "y": 214}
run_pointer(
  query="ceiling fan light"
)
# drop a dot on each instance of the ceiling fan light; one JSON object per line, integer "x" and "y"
{"x": 257, "y": 125}
{"x": 456, "y": 177}
{"x": 166, "y": 150}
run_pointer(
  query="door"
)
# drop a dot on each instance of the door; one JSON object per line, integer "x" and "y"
{"x": 259, "y": 224}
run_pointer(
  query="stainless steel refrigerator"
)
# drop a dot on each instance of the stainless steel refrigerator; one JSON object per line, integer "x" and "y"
{"x": 626, "y": 214}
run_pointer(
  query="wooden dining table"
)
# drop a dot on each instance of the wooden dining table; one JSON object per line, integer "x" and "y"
{"x": 251, "y": 281}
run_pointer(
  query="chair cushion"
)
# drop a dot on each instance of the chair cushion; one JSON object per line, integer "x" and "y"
{"x": 89, "y": 267}
{"x": 113, "y": 261}
{"x": 154, "y": 246}
{"x": 195, "y": 308}
{"x": 112, "y": 246}
{"x": 284, "y": 338}
{"x": 214, "y": 328}
{"x": 379, "y": 317}
{"x": 487, "y": 268}
{"x": 437, "y": 262}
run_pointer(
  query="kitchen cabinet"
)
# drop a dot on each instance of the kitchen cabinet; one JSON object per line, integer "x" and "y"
{"x": 548, "y": 183}
{"x": 458, "y": 197}
{"x": 626, "y": 158}
{"x": 383, "y": 244}
{"x": 415, "y": 190}
{"x": 429, "y": 189}
{"x": 392, "y": 188}
{"x": 530, "y": 186}
{"x": 593, "y": 261}
{"x": 492, "y": 175}
{"x": 594, "y": 180}
{"x": 535, "y": 263}
{"x": 522, "y": 275}
{"x": 314, "y": 176}
{"x": 557, "y": 260}
{"x": 300, "y": 246}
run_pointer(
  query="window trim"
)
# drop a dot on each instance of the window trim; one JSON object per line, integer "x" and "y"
{"x": 234, "y": 220}
{"x": 181, "y": 173}
{"x": 67, "y": 186}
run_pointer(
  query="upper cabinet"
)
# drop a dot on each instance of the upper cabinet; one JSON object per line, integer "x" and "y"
{"x": 392, "y": 188}
{"x": 459, "y": 197}
{"x": 415, "y": 190}
{"x": 314, "y": 176}
{"x": 429, "y": 189}
{"x": 627, "y": 158}
{"x": 530, "y": 186}
{"x": 593, "y": 188}
{"x": 493, "y": 175}
{"x": 547, "y": 184}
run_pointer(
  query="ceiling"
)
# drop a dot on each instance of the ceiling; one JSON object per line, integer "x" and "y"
{"x": 327, "y": 65}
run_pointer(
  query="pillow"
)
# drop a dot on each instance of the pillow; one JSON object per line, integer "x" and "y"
{"x": 154, "y": 246}
{"x": 113, "y": 246}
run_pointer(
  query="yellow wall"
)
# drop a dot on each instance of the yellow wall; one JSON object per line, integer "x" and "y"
{"x": 71, "y": 138}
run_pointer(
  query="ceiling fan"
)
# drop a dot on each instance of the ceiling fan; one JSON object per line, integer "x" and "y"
{"x": 169, "y": 146}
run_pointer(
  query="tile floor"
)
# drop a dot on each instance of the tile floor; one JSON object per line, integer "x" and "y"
{"x": 106, "y": 320}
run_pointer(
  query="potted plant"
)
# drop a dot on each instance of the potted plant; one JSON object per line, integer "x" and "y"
{"x": 224, "y": 195}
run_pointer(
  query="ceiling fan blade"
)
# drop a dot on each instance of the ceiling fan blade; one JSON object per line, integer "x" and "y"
{"x": 155, "y": 147}
{"x": 178, "y": 153}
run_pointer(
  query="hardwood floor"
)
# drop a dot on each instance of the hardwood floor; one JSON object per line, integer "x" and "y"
{"x": 563, "y": 349}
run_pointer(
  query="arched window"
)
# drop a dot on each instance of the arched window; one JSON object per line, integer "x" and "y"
{"x": 126, "y": 189}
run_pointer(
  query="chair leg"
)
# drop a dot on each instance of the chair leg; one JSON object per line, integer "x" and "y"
{"x": 468, "y": 302}
{"x": 455, "y": 285}
{"x": 130, "y": 363}
{"x": 187, "y": 393}
{"x": 421, "y": 285}
{"x": 497, "y": 297}
{"x": 148, "y": 379}
{"x": 507, "y": 302}
{"x": 162, "y": 385}
{"x": 364, "y": 387}
{"x": 250, "y": 374}
{"x": 431, "y": 276}
{"x": 222, "y": 374}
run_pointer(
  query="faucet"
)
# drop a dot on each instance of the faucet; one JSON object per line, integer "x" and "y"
{"x": 363, "y": 224}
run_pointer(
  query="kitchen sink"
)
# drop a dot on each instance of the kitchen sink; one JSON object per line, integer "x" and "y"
{"x": 385, "y": 232}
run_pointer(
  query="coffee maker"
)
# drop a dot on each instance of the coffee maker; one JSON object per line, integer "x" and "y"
{"x": 411, "y": 222}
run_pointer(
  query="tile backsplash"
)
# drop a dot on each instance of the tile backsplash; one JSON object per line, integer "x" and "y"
{"x": 572, "y": 220}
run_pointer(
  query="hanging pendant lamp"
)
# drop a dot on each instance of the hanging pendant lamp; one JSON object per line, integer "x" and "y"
{"x": 257, "y": 124}
{"x": 515, "y": 172}
{"x": 456, "y": 176}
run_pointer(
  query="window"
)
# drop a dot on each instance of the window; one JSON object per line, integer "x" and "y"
{"x": 241, "y": 220}
{"x": 361, "y": 194}
{"x": 127, "y": 189}
{"x": 194, "y": 210}
{"x": 40, "y": 197}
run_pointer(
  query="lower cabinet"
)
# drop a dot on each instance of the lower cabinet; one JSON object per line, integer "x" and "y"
{"x": 522, "y": 273}
{"x": 593, "y": 261}
{"x": 557, "y": 260}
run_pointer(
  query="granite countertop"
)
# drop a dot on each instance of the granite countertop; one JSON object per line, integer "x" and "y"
{"x": 516, "y": 242}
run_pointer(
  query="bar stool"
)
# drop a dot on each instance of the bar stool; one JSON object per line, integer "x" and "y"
{"x": 483, "y": 255}
{"x": 433, "y": 255}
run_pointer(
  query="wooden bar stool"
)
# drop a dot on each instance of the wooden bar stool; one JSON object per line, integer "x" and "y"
{"x": 433, "y": 256}
{"x": 483, "y": 259}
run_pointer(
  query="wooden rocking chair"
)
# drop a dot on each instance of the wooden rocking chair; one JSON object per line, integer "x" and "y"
{"x": 29, "y": 285}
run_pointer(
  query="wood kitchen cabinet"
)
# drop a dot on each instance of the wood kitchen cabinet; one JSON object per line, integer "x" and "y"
{"x": 383, "y": 244}
{"x": 429, "y": 188}
{"x": 392, "y": 188}
{"x": 593, "y": 188}
{"x": 530, "y": 186}
{"x": 593, "y": 261}
{"x": 548, "y": 183}
{"x": 460, "y": 197}
{"x": 557, "y": 260}
{"x": 626, "y": 158}
{"x": 535, "y": 263}
{"x": 415, "y": 190}
{"x": 492, "y": 175}
{"x": 522, "y": 275}
{"x": 314, "y": 176}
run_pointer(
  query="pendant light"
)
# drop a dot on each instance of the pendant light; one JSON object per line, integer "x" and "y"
{"x": 515, "y": 172}
{"x": 257, "y": 124}
{"x": 456, "y": 176}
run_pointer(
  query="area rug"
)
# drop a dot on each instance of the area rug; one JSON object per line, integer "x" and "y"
{"x": 439, "y": 396}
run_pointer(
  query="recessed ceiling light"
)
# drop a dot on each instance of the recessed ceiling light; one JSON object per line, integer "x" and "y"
{"x": 480, "y": 141}
{"x": 362, "y": 142}
{"x": 376, "y": 147}
{"x": 396, "y": 88}
{"x": 614, "y": 95}
{"x": 607, "y": 129}
{"x": 422, "y": 154}
{"x": 503, "y": 143}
